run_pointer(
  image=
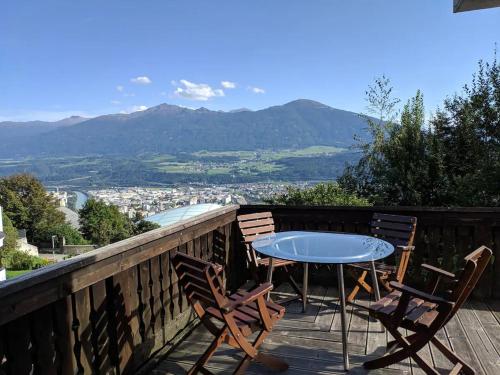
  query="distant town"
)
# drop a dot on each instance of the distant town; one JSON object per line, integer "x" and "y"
{"x": 148, "y": 201}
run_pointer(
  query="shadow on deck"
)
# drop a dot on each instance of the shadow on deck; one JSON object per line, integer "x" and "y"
{"x": 311, "y": 342}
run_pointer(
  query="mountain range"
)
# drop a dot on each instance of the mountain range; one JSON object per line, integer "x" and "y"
{"x": 170, "y": 129}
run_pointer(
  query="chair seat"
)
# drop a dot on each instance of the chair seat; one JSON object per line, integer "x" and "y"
{"x": 276, "y": 262}
{"x": 380, "y": 267}
{"x": 248, "y": 315}
{"x": 418, "y": 312}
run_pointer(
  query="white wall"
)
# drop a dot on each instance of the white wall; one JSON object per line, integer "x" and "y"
{"x": 1, "y": 228}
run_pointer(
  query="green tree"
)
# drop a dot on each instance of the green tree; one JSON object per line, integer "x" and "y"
{"x": 363, "y": 178}
{"x": 468, "y": 127}
{"x": 455, "y": 161}
{"x": 10, "y": 240}
{"x": 103, "y": 224}
{"x": 70, "y": 234}
{"x": 324, "y": 194}
{"x": 142, "y": 226}
{"x": 28, "y": 205}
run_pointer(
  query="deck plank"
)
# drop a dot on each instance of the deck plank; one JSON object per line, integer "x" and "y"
{"x": 477, "y": 336}
{"x": 311, "y": 342}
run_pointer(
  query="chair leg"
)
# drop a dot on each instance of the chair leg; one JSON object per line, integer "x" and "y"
{"x": 406, "y": 350}
{"x": 267, "y": 360}
{"x": 360, "y": 283}
{"x": 208, "y": 353}
{"x": 452, "y": 357}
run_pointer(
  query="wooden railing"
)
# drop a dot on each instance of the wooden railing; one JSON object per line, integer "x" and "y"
{"x": 444, "y": 236}
{"x": 108, "y": 311}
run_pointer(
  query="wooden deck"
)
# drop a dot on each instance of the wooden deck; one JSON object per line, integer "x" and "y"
{"x": 310, "y": 342}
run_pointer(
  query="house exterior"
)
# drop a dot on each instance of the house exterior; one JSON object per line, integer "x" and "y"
{"x": 467, "y": 5}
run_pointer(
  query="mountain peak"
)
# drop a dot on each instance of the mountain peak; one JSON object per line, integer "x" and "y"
{"x": 166, "y": 108}
{"x": 305, "y": 103}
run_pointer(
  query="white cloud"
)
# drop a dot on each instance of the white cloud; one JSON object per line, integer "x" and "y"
{"x": 197, "y": 91}
{"x": 120, "y": 88}
{"x": 256, "y": 90}
{"x": 141, "y": 80}
{"x": 228, "y": 84}
{"x": 134, "y": 108}
{"x": 116, "y": 102}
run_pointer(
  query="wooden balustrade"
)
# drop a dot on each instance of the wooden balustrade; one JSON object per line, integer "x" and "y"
{"x": 110, "y": 310}
{"x": 444, "y": 235}
{"x": 107, "y": 311}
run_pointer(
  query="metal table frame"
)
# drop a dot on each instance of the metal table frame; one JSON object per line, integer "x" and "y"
{"x": 340, "y": 277}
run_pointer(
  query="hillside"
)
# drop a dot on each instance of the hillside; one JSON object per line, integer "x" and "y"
{"x": 168, "y": 129}
{"x": 17, "y": 131}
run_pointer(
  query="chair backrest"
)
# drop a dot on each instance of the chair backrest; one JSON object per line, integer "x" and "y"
{"x": 219, "y": 252}
{"x": 200, "y": 282}
{"x": 252, "y": 226}
{"x": 398, "y": 230}
{"x": 475, "y": 264}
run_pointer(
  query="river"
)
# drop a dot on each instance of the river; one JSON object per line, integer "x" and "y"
{"x": 81, "y": 198}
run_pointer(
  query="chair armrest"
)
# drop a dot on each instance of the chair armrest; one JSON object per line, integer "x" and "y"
{"x": 248, "y": 297}
{"x": 218, "y": 268}
{"x": 419, "y": 294}
{"x": 405, "y": 248}
{"x": 438, "y": 271}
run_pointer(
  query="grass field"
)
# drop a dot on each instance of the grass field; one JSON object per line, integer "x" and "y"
{"x": 314, "y": 162}
{"x": 273, "y": 155}
{"x": 12, "y": 273}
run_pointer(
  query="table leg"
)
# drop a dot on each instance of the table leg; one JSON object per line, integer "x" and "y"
{"x": 375, "y": 280}
{"x": 270, "y": 275}
{"x": 305, "y": 283}
{"x": 340, "y": 275}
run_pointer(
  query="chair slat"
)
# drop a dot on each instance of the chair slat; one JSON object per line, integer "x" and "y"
{"x": 258, "y": 230}
{"x": 380, "y": 232}
{"x": 403, "y": 227}
{"x": 253, "y": 223}
{"x": 256, "y": 216}
{"x": 394, "y": 218}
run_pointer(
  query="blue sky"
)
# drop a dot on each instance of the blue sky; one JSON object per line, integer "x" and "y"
{"x": 59, "y": 58}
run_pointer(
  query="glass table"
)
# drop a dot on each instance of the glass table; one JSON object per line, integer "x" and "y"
{"x": 329, "y": 248}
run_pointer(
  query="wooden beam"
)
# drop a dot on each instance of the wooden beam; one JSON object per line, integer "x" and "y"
{"x": 467, "y": 5}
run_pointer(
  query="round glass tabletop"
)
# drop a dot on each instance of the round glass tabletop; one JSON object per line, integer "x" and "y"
{"x": 322, "y": 247}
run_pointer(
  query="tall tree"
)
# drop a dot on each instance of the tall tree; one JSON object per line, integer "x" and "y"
{"x": 10, "y": 240}
{"x": 455, "y": 161}
{"x": 28, "y": 205}
{"x": 103, "y": 224}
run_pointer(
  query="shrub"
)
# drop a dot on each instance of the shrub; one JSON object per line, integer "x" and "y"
{"x": 324, "y": 194}
{"x": 20, "y": 260}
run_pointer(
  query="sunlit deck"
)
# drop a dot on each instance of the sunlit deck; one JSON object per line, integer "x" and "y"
{"x": 311, "y": 342}
{"x": 120, "y": 309}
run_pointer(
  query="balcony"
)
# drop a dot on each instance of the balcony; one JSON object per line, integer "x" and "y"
{"x": 119, "y": 310}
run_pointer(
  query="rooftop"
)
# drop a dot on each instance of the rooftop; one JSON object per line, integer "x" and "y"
{"x": 175, "y": 215}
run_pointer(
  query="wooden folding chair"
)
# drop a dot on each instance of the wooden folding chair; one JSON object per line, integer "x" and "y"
{"x": 258, "y": 224}
{"x": 397, "y": 230}
{"x": 240, "y": 314}
{"x": 424, "y": 313}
